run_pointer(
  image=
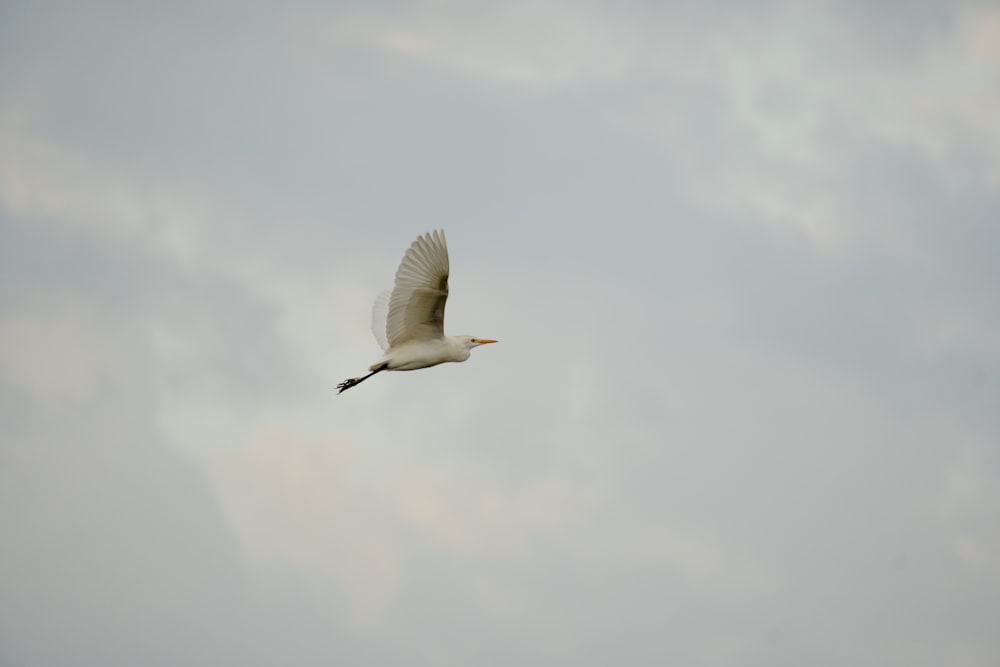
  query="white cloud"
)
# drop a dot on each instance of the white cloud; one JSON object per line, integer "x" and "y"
{"x": 522, "y": 43}
{"x": 957, "y": 103}
{"x": 45, "y": 182}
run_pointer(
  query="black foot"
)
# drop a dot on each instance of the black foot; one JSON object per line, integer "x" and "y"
{"x": 347, "y": 384}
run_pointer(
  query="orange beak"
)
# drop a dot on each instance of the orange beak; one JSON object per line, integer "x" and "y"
{"x": 484, "y": 341}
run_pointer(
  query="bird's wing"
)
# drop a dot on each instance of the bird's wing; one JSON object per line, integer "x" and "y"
{"x": 380, "y": 313}
{"x": 416, "y": 307}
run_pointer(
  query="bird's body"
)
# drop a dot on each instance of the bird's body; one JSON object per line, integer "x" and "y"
{"x": 409, "y": 322}
{"x": 424, "y": 354}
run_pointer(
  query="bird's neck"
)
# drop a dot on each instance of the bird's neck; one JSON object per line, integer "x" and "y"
{"x": 458, "y": 346}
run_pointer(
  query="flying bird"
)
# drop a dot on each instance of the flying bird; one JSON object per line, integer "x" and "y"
{"x": 409, "y": 322}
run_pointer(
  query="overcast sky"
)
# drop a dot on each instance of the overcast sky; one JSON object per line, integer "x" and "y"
{"x": 741, "y": 258}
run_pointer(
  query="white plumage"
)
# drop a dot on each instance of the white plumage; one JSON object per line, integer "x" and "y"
{"x": 409, "y": 322}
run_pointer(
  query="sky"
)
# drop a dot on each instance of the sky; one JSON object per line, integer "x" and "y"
{"x": 740, "y": 258}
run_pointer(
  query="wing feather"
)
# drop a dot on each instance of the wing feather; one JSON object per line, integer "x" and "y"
{"x": 416, "y": 306}
{"x": 380, "y": 313}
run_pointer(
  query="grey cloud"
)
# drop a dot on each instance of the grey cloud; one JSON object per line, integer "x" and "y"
{"x": 117, "y": 553}
{"x": 231, "y": 329}
{"x": 709, "y": 436}
{"x": 116, "y": 548}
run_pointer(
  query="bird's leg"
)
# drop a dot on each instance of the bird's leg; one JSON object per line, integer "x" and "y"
{"x": 350, "y": 382}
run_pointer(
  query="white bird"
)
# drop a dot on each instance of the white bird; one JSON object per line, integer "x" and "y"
{"x": 409, "y": 322}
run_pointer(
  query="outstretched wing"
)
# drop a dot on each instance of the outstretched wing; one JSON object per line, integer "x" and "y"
{"x": 380, "y": 313}
{"x": 416, "y": 306}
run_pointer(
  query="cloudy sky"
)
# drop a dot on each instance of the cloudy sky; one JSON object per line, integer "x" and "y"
{"x": 741, "y": 258}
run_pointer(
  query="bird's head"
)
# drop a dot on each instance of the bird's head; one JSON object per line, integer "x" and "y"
{"x": 470, "y": 342}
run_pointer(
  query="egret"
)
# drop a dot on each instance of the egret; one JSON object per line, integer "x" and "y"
{"x": 408, "y": 323}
